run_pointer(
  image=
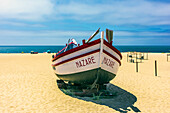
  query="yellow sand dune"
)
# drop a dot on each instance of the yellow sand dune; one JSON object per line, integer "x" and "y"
{"x": 28, "y": 84}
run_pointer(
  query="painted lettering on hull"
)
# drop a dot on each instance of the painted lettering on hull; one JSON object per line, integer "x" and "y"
{"x": 108, "y": 62}
{"x": 85, "y": 62}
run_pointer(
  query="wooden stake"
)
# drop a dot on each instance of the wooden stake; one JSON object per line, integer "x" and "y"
{"x": 155, "y": 68}
{"x": 136, "y": 66}
{"x": 167, "y": 57}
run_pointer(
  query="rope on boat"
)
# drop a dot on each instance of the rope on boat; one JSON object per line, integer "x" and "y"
{"x": 95, "y": 81}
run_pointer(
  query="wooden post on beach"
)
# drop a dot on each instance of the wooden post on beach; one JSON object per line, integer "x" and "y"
{"x": 136, "y": 63}
{"x": 155, "y": 68}
{"x": 167, "y": 57}
{"x": 136, "y": 66}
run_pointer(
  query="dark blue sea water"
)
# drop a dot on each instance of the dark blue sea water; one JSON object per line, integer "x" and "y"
{"x": 41, "y": 49}
{"x": 152, "y": 49}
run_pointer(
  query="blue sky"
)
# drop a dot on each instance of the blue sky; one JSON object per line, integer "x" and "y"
{"x": 53, "y": 22}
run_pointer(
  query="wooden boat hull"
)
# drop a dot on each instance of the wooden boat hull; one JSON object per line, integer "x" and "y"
{"x": 88, "y": 77}
{"x": 83, "y": 64}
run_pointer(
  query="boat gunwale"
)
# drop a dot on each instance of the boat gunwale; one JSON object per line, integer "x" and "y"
{"x": 86, "y": 54}
{"x": 76, "y": 57}
{"x": 113, "y": 48}
{"x": 107, "y": 53}
{"x": 86, "y": 45}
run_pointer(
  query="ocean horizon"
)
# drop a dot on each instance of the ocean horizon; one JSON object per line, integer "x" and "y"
{"x": 55, "y": 49}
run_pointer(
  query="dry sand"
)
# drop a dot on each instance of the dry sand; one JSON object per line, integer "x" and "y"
{"x": 28, "y": 84}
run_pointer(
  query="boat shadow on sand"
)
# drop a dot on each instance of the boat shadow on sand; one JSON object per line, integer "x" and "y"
{"x": 122, "y": 100}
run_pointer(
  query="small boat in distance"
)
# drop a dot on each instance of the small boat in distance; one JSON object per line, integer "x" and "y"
{"x": 95, "y": 62}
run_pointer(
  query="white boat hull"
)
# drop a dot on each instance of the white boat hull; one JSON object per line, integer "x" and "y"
{"x": 82, "y": 64}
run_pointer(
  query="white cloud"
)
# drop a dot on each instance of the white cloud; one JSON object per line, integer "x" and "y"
{"x": 60, "y": 37}
{"x": 21, "y": 24}
{"x": 79, "y": 9}
{"x": 25, "y": 9}
{"x": 60, "y": 34}
{"x": 118, "y": 12}
{"x": 113, "y": 12}
{"x": 141, "y": 41}
{"x": 11, "y": 33}
{"x": 126, "y": 33}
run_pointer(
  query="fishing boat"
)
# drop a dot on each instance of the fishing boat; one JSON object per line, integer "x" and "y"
{"x": 93, "y": 62}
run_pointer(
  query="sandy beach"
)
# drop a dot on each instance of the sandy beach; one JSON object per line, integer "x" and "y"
{"x": 28, "y": 84}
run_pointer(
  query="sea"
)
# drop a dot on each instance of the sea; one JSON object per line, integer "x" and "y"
{"x": 55, "y": 49}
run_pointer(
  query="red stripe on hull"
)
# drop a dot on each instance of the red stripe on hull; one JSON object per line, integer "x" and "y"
{"x": 76, "y": 57}
{"x": 104, "y": 51}
{"x": 113, "y": 48}
{"x": 77, "y": 49}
